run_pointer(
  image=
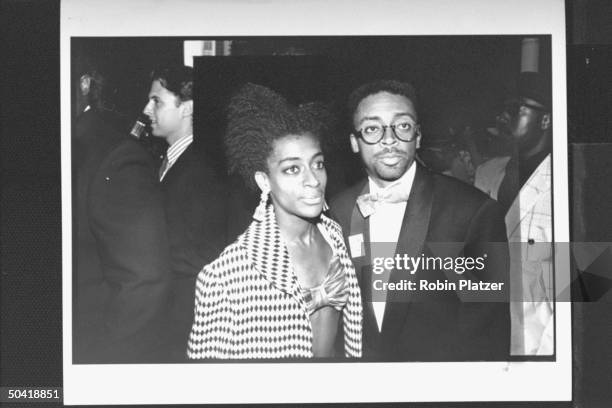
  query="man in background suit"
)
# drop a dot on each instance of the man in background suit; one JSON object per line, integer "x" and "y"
{"x": 194, "y": 196}
{"x": 121, "y": 270}
{"x": 522, "y": 184}
{"x": 402, "y": 208}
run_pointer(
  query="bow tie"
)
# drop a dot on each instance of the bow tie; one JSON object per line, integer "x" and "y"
{"x": 369, "y": 203}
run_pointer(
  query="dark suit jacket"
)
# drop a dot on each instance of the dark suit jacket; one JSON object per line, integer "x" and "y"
{"x": 121, "y": 271}
{"x": 436, "y": 325}
{"x": 195, "y": 206}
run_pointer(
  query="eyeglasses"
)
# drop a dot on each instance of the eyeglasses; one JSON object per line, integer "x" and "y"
{"x": 374, "y": 133}
{"x": 513, "y": 107}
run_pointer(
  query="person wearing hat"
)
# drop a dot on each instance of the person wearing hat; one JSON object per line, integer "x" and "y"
{"x": 527, "y": 120}
{"x": 521, "y": 183}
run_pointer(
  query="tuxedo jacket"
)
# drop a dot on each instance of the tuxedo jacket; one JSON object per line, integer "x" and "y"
{"x": 443, "y": 218}
{"x": 121, "y": 270}
{"x": 194, "y": 198}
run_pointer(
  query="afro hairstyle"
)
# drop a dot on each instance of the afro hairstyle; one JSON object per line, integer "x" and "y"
{"x": 257, "y": 117}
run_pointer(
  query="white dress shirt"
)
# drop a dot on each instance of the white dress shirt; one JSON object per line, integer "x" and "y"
{"x": 385, "y": 226}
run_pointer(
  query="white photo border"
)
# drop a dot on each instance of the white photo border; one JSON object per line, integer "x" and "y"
{"x": 335, "y": 382}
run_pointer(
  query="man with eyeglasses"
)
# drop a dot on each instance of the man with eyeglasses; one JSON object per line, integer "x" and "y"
{"x": 527, "y": 120}
{"x": 522, "y": 185}
{"x": 402, "y": 211}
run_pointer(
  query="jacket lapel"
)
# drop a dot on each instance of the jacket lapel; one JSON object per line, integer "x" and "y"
{"x": 336, "y": 241}
{"x": 527, "y": 197}
{"x": 269, "y": 255}
{"x": 178, "y": 165}
{"x": 342, "y": 209}
{"x": 363, "y": 268}
{"x": 411, "y": 241}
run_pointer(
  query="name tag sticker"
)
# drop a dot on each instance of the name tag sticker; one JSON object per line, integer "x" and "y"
{"x": 356, "y": 245}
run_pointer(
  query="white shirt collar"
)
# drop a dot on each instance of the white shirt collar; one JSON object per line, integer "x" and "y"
{"x": 177, "y": 148}
{"x": 385, "y": 226}
{"x": 175, "y": 151}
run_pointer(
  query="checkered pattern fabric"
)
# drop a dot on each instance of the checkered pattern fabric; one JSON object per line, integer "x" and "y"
{"x": 249, "y": 304}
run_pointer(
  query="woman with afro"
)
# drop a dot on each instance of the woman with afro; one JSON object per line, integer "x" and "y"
{"x": 286, "y": 288}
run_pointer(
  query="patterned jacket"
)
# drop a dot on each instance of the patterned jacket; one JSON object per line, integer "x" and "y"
{"x": 249, "y": 306}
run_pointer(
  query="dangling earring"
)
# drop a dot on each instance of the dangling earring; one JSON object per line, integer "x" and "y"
{"x": 325, "y": 206}
{"x": 260, "y": 211}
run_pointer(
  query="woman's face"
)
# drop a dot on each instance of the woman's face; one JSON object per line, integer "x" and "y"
{"x": 296, "y": 176}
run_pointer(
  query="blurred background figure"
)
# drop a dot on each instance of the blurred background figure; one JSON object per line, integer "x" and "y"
{"x": 490, "y": 172}
{"x": 521, "y": 182}
{"x": 94, "y": 103}
{"x": 120, "y": 270}
{"x": 94, "y": 110}
{"x": 456, "y": 144}
{"x": 449, "y": 158}
{"x": 527, "y": 121}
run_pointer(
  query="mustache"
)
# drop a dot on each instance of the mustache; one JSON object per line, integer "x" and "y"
{"x": 391, "y": 150}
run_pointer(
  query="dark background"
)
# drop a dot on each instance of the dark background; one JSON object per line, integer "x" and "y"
{"x": 31, "y": 342}
{"x": 460, "y": 80}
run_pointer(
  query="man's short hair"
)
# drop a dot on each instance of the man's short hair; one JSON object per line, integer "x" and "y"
{"x": 178, "y": 79}
{"x": 383, "y": 85}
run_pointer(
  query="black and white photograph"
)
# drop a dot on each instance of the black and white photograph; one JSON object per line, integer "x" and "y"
{"x": 310, "y": 202}
{"x": 301, "y": 199}
{"x": 194, "y": 208}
